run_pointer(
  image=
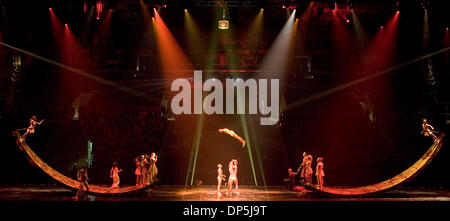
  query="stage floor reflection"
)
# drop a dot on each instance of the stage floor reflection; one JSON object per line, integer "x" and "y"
{"x": 208, "y": 193}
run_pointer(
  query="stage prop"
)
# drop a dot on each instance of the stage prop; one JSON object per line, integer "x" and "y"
{"x": 380, "y": 187}
{"x": 71, "y": 183}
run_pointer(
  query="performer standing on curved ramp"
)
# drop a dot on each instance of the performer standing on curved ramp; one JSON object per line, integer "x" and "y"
{"x": 427, "y": 129}
{"x": 30, "y": 129}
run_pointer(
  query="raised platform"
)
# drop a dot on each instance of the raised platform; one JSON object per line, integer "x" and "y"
{"x": 383, "y": 186}
{"x": 405, "y": 176}
{"x": 202, "y": 193}
{"x": 71, "y": 183}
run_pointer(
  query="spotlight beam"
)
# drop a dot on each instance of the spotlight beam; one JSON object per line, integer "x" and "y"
{"x": 333, "y": 90}
{"x": 85, "y": 74}
{"x": 426, "y": 33}
{"x": 359, "y": 30}
{"x": 196, "y": 145}
{"x": 173, "y": 58}
{"x": 277, "y": 58}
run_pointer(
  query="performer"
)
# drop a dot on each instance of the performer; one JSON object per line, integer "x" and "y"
{"x": 427, "y": 129}
{"x": 291, "y": 180}
{"x": 114, "y": 174}
{"x": 303, "y": 168}
{"x": 83, "y": 179}
{"x": 233, "y": 134}
{"x": 153, "y": 170}
{"x": 232, "y": 167}
{"x": 309, "y": 170}
{"x": 30, "y": 129}
{"x": 138, "y": 170}
{"x": 220, "y": 177}
{"x": 319, "y": 172}
{"x": 146, "y": 170}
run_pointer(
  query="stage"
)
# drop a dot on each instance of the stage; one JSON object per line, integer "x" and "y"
{"x": 208, "y": 193}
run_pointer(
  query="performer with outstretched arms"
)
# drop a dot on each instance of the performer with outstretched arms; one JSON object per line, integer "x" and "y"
{"x": 114, "y": 174}
{"x": 232, "y": 167}
{"x": 220, "y": 177}
{"x": 427, "y": 129}
{"x": 233, "y": 134}
{"x": 30, "y": 129}
{"x": 303, "y": 169}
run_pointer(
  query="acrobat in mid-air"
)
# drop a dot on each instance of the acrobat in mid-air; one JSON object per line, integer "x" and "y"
{"x": 233, "y": 134}
{"x": 427, "y": 129}
{"x": 30, "y": 129}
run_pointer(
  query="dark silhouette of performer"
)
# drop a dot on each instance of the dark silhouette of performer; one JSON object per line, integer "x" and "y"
{"x": 303, "y": 168}
{"x": 291, "y": 180}
{"x": 83, "y": 179}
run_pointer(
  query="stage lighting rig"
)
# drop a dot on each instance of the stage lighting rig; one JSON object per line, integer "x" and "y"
{"x": 285, "y": 3}
{"x": 223, "y": 24}
{"x": 425, "y": 4}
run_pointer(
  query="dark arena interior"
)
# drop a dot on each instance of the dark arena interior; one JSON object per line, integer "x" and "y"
{"x": 355, "y": 79}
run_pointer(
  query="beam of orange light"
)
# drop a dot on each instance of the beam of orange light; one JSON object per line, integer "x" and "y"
{"x": 174, "y": 61}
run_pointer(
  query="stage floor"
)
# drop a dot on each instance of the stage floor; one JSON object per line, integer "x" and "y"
{"x": 208, "y": 193}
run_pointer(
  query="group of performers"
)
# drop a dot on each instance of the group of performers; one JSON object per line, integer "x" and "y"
{"x": 306, "y": 172}
{"x": 232, "y": 179}
{"x": 146, "y": 169}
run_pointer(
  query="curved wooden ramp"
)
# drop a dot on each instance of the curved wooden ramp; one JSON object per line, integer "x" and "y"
{"x": 74, "y": 184}
{"x": 405, "y": 176}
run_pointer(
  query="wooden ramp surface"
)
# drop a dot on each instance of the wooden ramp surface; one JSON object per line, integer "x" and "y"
{"x": 405, "y": 176}
{"x": 68, "y": 181}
